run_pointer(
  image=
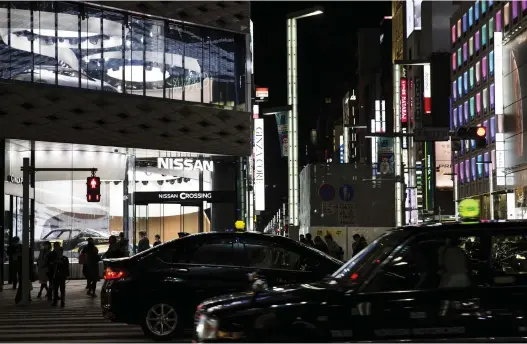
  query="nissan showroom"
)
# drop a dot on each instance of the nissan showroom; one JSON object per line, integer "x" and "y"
{"x": 154, "y": 107}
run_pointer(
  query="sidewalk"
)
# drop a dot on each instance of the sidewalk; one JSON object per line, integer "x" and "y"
{"x": 75, "y": 297}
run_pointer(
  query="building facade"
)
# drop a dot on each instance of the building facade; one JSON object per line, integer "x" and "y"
{"x": 157, "y": 105}
{"x": 487, "y": 44}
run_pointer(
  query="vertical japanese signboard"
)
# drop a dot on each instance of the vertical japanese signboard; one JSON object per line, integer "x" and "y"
{"x": 404, "y": 96}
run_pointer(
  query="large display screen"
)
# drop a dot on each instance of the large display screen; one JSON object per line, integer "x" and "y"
{"x": 78, "y": 45}
{"x": 443, "y": 157}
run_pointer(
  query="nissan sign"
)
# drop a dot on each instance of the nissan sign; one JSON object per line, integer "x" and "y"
{"x": 182, "y": 197}
{"x": 185, "y": 164}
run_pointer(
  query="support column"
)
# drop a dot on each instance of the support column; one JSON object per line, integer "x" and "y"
{"x": 2, "y": 207}
{"x": 24, "y": 285}
{"x": 223, "y": 214}
{"x": 200, "y": 207}
{"x": 32, "y": 177}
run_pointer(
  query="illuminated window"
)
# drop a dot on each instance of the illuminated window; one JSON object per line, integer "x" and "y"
{"x": 478, "y": 73}
{"x": 524, "y": 5}
{"x": 456, "y": 171}
{"x": 454, "y": 90}
{"x": 478, "y": 104}
{"x": 465, "y": 82}
{"x": 471, "y": 46}
{"x": 472, "y": 108}
{"x": 453, "y": 34}
{"x": 471, "y": 75}
{"x": 465, "y": 23}
{"x": 484, "y": 35}
{"x": 473, "y": 162}
{"x": 459, "y": 58}
{"x": 465, "y": 52}
{"x": 492, "y": 96}
{"x": 483, "y": 7}
{"x": 454, "y": 117}
{"x": 470, "y": 17}
{"x": 491, "y": 63}
{"x": 459, "y": 28}
{"x": 491, "y": 3}
{"x": 466, "y": 111}
{"x": 493, "y": 129}
{"x": 454, "y": 60}
{"x": 498, "y": 21}
{"x": 486, "y": 125}
{"x": 460, "y": 87}
{"x": 491, "y": 28}
{"x": 506, "y": 12}
{"x": 467, "y": 170}
{"x": 485, "y": 99}
{"x": 462, "y": 172}
{"x": 460, "y": 114}
{"x": 514, "y": 6}
{"x": 478, "y": 40}
{"x": 476, "y": 10}
{"x": 484, "y": 67}
{"x": 480, "y": 166}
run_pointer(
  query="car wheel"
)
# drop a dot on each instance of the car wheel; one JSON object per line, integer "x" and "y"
{"x": 161, "y": 321}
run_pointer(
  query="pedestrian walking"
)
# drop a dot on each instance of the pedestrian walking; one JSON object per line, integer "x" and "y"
{"x": 14, "y": 254}
{"x": 359, "y": 243}
{"x": 157, "y": 240}
{"x": 333, "y": 248}
{"x": 114, "y": 250}
{"x": 320, "y": 244}
{"x": 309, "y": 240}
{"x": 43, "y": 269}
{"x": 59, "y": 264}
{"x": 124, "y": 245}
{"x": 89, "y": 259}
{"x": 144, "y": 243}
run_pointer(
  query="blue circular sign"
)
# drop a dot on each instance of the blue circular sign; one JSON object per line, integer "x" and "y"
{"x": 346, "y": 192}
{"x": 327, "y": 192}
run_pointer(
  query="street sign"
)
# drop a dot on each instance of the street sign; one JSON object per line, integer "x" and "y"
{"x": 431, "y": 134}
{"x": 326, "y": 192}
{"x": 346, "y": 192}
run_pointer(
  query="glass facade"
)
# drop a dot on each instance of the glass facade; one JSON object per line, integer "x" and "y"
{"x": 91, "y": 47}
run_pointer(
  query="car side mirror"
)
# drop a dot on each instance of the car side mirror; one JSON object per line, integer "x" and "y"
{"x": 260, "y": 286}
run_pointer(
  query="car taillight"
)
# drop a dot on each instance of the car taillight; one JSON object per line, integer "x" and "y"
{"x": 111, "y": 274}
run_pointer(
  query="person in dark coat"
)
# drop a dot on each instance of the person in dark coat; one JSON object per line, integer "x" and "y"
{"x": 144, "y": 243}
{"x": 158, "y": 240}
{"x": 60, "y": 267}
{"x": 14, "y": 254}
{"x": 359, "y": 243}
{"x": 114, "y": 251}
{"x": 309, "y": 240}
{"x": 321, "y": 245}
{"x": 124, "y": 245}
{"x": 90, "y": 267}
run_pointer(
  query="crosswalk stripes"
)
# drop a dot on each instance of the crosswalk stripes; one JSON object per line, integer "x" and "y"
{"x": 64, "y": 325}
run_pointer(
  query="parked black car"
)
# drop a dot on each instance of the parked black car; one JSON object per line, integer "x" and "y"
{"x": 161, "y": 287}
{"x": 451, "y": 282}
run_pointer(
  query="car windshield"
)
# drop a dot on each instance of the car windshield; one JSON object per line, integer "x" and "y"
{"x": 360, "y": 266}
{"x": 61, "y": 235}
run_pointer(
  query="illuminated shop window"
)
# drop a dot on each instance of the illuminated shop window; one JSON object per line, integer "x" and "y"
{"x": 453, "y": 34}
{"x": 484, "y": 35}
{"x": 491, "y": 28}
{"x": 471, "y": 76}
{"x": 478, "y": 72}
{"x": 484, "y": 68}
{"x": 465, "y": 26}
{"x": 465, "y": 83}
{"x": 454, "y": 61}
{"x": 459, "y": 58}
{"x": 470, "y": 17}
{"x": 478, "y": 40}
{"x": 480, "y": 166}
{"x": 506, "y": 14}
{"x": 472, "y": 108}
{"x": 478, "y": 104}
{"x": 460, "y": 86}
{"x": 491, "y": 63}
{"x": 498, "y": 21}
{"x": 476, "y": 10}
{"x": 462, "y": 172}
{"x": 493, "y": 129}
{"x": 485, "y": 100}
{"x": 492, "y": 96}
{"x": 486, "y": 166}
{"x": 454, "y": 90}
{"x": 471, "y": 46}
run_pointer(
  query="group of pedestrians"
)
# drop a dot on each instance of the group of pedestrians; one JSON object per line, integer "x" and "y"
{"x": 330, "y": 247}
{"x": 53, "y": 269}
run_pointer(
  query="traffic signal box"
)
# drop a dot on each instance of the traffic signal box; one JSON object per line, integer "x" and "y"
{"x": 478, "y": 134}
{"x": 93, "y": 189}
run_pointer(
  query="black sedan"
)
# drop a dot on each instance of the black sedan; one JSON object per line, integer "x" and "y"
{"x": 455, "y": 283}
{"x": 160, "y": 288}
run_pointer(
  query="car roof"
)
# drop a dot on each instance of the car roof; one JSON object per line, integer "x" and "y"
{"x": 476, "y": 226}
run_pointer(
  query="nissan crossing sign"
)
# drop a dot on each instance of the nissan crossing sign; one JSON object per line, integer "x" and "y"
{"x": 182, "y": 197}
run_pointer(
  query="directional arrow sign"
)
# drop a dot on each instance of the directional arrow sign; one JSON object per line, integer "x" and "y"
{"x": 431, "y": 134}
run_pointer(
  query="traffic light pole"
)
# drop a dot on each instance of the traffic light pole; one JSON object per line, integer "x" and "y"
{"x": 28, "y": 171}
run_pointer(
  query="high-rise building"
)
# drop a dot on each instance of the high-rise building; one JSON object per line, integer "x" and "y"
{"x": 487, "y": 43}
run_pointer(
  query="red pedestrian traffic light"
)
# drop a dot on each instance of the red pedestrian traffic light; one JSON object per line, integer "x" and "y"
{"x": 93, "y": 189}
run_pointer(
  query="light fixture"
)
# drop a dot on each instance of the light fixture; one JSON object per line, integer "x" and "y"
{"x": 172, "y": 181}
{"x": 179, "y": 180}
{"x": 160, "y": 182}
{"x": 145, "y": 182}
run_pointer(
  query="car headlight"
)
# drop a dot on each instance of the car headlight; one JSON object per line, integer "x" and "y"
{"x": 207, "y": 328}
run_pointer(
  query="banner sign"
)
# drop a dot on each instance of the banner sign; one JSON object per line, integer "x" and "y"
{"x": 281, "y": 122}
{"x": 184, "y": 197}
{"x": 385, "y": 156}
{"x": 259, "y": 165}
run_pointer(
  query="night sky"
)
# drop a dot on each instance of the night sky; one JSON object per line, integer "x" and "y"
{"x": 326, "y": 68}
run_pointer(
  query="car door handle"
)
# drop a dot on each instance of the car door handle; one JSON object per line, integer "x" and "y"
{"x": 182, "y": 270}
{"x": 364, "y": 308}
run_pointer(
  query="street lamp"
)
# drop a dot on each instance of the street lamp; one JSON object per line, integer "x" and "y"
{"x": 292, "y": 118}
